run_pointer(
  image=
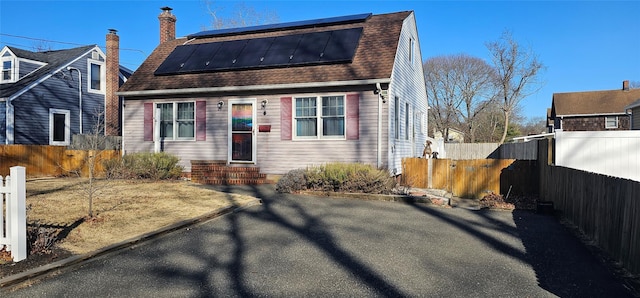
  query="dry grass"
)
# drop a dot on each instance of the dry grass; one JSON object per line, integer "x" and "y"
{"x": 122, "y": 208}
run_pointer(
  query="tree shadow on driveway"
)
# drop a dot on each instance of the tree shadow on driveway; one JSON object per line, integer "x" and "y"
{"x": 285, "y": 212}
{"x": 562, "y": 264}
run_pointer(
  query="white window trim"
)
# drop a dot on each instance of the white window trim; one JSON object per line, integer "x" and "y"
{"x": 103, "y": 76}
{"x": 319, "y": 117}
{"x": 67, "y": 127}
{"x": 14, "y": 69}
{"x": 606, "y": 122}
{"x": 175, "y": 122}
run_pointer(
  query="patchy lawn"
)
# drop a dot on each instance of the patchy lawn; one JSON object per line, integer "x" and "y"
{"x": 122, "y": 209}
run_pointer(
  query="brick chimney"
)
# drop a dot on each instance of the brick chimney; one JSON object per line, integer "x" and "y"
{"x": 167, "y": 25}
{"x": 112, "y": 101}
{"x": 625, "y": 85}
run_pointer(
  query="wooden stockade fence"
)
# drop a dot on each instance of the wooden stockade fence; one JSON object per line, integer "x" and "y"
{"x": 462, "y": 178}
{"x": 42, "y": 161}
{"x": 605, "y": 208}
{"x": 468, "y": 151}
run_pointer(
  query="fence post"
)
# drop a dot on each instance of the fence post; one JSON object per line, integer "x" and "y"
{"x": 18, "y": 214}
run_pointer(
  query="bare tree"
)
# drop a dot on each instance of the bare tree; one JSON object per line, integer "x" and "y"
{"x": 634, "y": 84}
{"x": 41, "y": 46}
{"x": 440, "y": 81}
{"x": 242, "y": 16}
{"x": 533, "y": 126}
{"x": 92, "y": 148}
{"x": 517, "y": 73}
{"x": 459, "y": 87}
{"x": 476, "y": 89}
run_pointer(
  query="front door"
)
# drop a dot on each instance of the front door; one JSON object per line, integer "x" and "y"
{"x": 242, "y": 138}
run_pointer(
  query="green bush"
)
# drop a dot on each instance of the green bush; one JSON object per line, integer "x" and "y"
{"x": 340, "y": 177}
{"x": 157, "y": 166}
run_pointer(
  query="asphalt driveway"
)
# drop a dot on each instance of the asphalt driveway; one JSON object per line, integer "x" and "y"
{"x": 310, "y": 246}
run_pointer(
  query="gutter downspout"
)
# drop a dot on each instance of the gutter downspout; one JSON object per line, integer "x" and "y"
{"x": 379, "y": 154}
{"x": 69, "y": 68}
{"x": 10, "y": 123}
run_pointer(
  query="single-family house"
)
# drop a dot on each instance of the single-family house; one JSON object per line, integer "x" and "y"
{"x": 634, "y": 109}
{"x": 46, "y": 97}
{"x": 282, "y": 96}
{"x": 592, "y": 110}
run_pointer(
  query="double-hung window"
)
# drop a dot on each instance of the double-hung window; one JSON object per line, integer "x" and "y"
{"x": 96, "y": 81}
{"x": 319, "y": 117}
{"x": 611, "y": 122}
{"x": 8, "y": 69}
{"x": 177, "y": 120}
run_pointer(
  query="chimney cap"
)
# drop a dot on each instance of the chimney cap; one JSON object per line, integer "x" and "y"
{"x": 166, "y": 9}
{"x": 113, "y": 31}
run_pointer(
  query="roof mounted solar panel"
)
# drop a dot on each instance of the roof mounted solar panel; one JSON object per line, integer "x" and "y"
{"x": 253, "y": 53}
{"x": 349, "y": 19}
{"x": 201, "y": 56}
{"x": 281, "y": 50}
{"x": 175, "y": 61}
{"x": 227, "y": 56}
{"x": 342, "y": 45}
{"x": 311, "y": 47}
{"x": 334, "y": 46}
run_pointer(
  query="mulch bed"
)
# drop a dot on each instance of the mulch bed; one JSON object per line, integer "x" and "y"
{"x": 8, "y": 267}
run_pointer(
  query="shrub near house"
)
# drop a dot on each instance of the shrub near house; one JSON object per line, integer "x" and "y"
{"x": 339, "y": 177}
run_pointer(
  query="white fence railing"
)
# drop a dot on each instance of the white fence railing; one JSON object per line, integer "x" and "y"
{"x": 13, "y": 223}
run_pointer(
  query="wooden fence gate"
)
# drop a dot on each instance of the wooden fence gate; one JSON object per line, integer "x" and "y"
{"x": 471, "y": 178}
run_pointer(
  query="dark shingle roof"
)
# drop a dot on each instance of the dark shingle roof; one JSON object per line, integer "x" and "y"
{"x": 54, "y": 60}
{"x": 593, "y": 102}
{"x": 373, "y": 59}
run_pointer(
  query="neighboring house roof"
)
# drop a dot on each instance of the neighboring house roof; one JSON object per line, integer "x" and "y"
{"x": 593, "y": 102}
{"x": 54, "y": 60}
{"x": 373, "y": 60}
{"x": 633, "y": 105}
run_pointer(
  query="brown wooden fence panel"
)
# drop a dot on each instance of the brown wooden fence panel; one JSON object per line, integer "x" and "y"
{"x": 441, "y": 178}
{"x": 463, "y": 178}
{"x": 418, "y": 176}
{"x": 605, "y": 208}
{"x": 41, "y": 161}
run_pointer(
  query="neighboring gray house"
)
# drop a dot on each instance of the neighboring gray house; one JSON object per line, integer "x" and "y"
{"x": 634, "y": 107}
{"x": 42, "y": 94}
{"x": 282, "y": 96}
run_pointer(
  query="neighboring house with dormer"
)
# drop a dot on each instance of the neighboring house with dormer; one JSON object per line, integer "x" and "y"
{"x": 593, "y": 110}
{"x": 282, "y": 96}
{"x": 46, "y": 97}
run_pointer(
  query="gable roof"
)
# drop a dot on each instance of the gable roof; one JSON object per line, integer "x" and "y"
{"x": 593, "y": 102}
{"x": 373, "y": 60}
{"x": 54, "y": 60}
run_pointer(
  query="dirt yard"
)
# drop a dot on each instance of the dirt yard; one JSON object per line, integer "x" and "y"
{"x": 122, "y": 209}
